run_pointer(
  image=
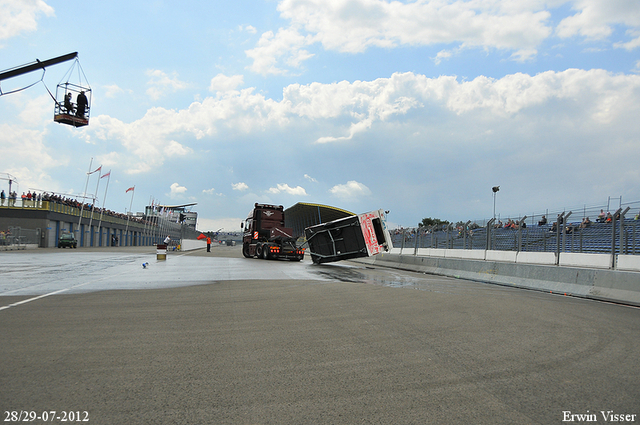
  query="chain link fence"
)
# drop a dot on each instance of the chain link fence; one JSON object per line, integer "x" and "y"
{"x": 608, "y": 233}
{"x": 19, "y": 238}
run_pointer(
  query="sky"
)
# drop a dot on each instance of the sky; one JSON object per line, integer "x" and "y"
{"x": 416, "y": 107}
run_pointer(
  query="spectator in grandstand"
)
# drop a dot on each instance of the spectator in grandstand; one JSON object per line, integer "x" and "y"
{"x": 609, "y": 218}
{"x": 542, "y": 221}
{"x": 585, "y": 223}
{"x": 601, "y": 217}
{"x": 637, "y": 217}
{"x": 2, "y": 197}
{"x": 554, "y": 226}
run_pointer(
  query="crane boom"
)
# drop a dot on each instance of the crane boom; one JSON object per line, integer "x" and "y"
{"x": 38, "y": 65}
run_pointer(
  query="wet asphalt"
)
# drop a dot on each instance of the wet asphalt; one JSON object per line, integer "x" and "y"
{"x": 213, "y": 338}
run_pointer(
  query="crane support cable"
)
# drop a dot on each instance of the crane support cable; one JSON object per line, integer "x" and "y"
{"x": 35, "y": 66}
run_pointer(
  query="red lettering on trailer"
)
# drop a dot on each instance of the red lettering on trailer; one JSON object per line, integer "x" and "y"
{"x": 369, "y": 233}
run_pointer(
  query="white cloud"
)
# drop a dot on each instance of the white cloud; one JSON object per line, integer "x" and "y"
{"x": 239, "y": 186}
{"x": 224, "y": 224}
{"x": 311, "y": 179}
{"x": 634, "y": 43}
{"x": 355, "y": 26}
{"x": 223, "y": 83}
{"x": 442, "y": 54}
{"x": 112, "y": 90}
{"x": 288, "y": 43}
{"x": 350, "y": 26}
{"x": 31, "y": 160}
{"x": 160, "y": 83}
{"x": 248, "y": 28}
{"x": 209, "y": 191}
{"x": 146, "y": 141}
{"x": 298, "y": 190}
{"x": 176, "y": 189}
{"x": 352, "y": 189}
{"x": 339, "y": 112}
{"x": 596, "y": 19}
{"x": 19, "y": 16}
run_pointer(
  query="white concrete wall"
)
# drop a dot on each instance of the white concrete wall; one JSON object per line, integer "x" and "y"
{"x": 546, "y": 258}
{"x": 567, "y": 259}
{"x": 465, "y": 254}
{"x": 629, "y": 263}
{"x": 505, "y": 256}
{"x": 598, "y": 261}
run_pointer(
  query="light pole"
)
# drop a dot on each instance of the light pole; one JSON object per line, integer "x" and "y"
{"x": 495, "y": 190}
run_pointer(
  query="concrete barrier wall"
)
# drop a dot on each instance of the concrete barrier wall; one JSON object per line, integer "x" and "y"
{"x": 621, "y": 286}
{"x": 599, "y": 261}
{"x": 465, "y": 254}
{"x": 544, "y": 258}
{"x": 629, "y": 262}
{"x": 505, "y": 256}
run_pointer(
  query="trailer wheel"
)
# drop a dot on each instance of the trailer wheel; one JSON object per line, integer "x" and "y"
{"x": 245, "y": 250}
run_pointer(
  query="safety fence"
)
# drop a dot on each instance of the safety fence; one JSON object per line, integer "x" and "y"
{"x": 18, "y": 238}
{"x": 619, "y": 236}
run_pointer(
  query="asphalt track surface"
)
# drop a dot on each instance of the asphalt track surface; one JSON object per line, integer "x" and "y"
{"x": 213, "y": 338}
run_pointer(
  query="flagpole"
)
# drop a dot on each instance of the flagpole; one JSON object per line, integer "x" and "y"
{"x": 93, "y": 206}
{"x": 156, "y": 231}
{"x": 83, "y": 196}
{"x": 144, "y": 232}
{"x": 126, "y": 231}
{"x": 104, "y": 200}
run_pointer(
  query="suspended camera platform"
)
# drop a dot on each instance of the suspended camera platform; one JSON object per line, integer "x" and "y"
{"x": 73, "y": 101}
{"x": 71, "y": 120}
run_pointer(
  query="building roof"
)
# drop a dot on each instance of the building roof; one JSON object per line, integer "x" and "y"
{"x": 303, "y": 215}
{"x": 173, "y": 207}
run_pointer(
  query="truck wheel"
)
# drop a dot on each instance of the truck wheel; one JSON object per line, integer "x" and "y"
{"x": 259, "y": 251}
{"x": 245, "y": 250}
{"x": 265, "y": 252}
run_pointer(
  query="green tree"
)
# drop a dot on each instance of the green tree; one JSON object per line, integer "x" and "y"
{"x": 428, "y": 222}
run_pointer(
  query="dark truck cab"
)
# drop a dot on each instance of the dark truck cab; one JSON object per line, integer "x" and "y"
{"x": 265, "y": 236}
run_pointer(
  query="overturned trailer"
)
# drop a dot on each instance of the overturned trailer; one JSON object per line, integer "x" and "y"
{"x": 360, "y": 235}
